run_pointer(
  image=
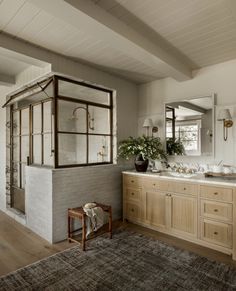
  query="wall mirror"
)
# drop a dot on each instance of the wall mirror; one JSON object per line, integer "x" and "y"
{"x": 189, "y": 126}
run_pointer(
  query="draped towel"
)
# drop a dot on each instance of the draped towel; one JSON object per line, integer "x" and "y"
{"x": 94, "y": 219}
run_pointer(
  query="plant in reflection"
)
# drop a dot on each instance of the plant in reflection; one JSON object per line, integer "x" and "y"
{"x": 174, "y": 147}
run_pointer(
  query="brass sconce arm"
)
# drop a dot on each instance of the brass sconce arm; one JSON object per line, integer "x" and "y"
{"x": 226, "y": 118}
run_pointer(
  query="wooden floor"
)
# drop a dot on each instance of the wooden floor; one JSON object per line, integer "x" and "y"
{"x": 20, "y": 247}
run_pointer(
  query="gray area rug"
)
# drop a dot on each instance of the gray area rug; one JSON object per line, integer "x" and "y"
{"x": 129, "y": 261}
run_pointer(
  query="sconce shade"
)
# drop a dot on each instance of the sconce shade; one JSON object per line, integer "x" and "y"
{"x": 224, "y": 114}
{"x": 148, "y": 122}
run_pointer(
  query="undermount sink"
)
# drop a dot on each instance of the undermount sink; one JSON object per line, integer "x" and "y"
{"x": 183, "y": 175}
{"x": 177, "y": 175}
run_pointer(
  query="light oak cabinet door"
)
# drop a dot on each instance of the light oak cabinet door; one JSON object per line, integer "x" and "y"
{"x": 217, "y": 210}
{"x": 132, "y": 211}
{"x": 183, "y": 214}
{"x": 216, "y": 232}
{"x": 155, "y": 211}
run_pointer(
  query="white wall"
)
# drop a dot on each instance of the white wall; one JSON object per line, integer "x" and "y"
{"x": 219, "y": 79}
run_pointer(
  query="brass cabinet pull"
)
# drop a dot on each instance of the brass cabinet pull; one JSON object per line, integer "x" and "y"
{"x": 215, "y": 232}
{"x": 132, "y": 181}
{"x": 216, "y": 210}
{"x": 184, "y": 188}
{"x": 216, "y": 193}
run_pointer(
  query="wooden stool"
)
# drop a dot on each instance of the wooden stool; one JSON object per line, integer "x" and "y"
{"x": 78, "y": 213}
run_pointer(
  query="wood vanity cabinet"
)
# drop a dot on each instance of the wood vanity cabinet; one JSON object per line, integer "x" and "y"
{"x": 170, "y": 206}
{"x": 189, "y": 210}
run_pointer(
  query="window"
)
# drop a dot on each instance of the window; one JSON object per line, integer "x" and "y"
{"x": 188, "y": 132}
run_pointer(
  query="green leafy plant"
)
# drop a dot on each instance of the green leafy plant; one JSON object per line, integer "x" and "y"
{"x": 174, "y": 147}
{"x": 148, "y": 147}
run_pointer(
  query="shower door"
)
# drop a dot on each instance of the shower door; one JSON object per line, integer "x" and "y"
{"x": 20, "y": 153}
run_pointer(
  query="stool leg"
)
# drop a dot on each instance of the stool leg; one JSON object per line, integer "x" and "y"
{"x": 110, "y": 222}
{"x": 83, "y": 233}
{"x": 69, "y": 228}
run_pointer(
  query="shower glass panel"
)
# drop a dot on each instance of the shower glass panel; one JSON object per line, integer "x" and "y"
{"x": 72, "y": 149}
{"x": 37, "y": 149}
{"x": 72, "y": 117}
{"x": 99, "y": 149}
{"x": 48, "y": 158}
{"x": 83, "y": 92}
{"x": 101, "y": 120}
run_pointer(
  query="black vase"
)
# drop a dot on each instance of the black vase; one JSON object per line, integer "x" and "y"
{"x": 140, "y": 163}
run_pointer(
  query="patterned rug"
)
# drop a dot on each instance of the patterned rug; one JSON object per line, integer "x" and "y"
{"x": 129, "y": 261}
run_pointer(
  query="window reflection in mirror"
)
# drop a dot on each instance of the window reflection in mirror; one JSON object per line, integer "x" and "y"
{"x": 189, "y": 126}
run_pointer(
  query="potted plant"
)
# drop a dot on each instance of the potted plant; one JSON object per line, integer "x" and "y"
{"x": 174, "y": 147}
{"x": 142, "y": 148}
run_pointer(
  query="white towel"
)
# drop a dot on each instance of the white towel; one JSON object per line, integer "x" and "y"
{"x": 94, "y": 219}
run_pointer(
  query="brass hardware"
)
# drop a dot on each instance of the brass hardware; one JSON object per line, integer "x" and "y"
{"x": 132, "y": 210}
{"x": 216, "y": 193}
{"x": 132, "y": 181}
{"x": 216, "y": 210}
{"x": 215, "y": 232}
{"x": 154, "y": 184}
{"x": 132, "y": 193}
{"x": 184, "y": 188}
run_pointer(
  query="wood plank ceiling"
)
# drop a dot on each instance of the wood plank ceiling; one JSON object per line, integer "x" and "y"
{"x": 203, "y": 31}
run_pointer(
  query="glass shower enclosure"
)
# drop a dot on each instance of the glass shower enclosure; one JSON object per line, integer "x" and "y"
{"x": 56, "y": 123}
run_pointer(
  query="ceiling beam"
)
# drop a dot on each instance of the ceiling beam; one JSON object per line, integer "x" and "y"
{"x": 10, "y": 52}
{"x": 188, "y": 105}
{"x": 97, "y": 22}
{"x": 7, "y": 80}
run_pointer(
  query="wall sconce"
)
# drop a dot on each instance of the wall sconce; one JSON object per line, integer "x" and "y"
{"x": 148, "y": 123}
{"x": 225, "y": 116}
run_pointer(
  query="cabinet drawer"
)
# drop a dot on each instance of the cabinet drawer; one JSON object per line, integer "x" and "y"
{"x": 184, "y": 188}
{"x": 216, "y": 193}
{"x": 132, "y": 181}
{"x": 154, "y": 184}
{"x": 133, "y": 194}
{"x": 216, "y": 232}
{"x": 217, "y": 210}
{"x": 132, "y": 211}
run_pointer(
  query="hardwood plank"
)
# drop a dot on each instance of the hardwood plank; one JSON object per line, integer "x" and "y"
{"x": 19, "y": 246}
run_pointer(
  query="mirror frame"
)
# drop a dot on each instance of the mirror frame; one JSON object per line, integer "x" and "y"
{"x": 213, "y": 96}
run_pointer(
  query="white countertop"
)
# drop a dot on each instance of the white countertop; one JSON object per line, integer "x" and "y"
{"x": 200, "y": 178}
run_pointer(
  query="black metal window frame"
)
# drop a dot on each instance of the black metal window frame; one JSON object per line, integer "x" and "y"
{"x": 58, "y": 97}
{"x": 55, "y": 130}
